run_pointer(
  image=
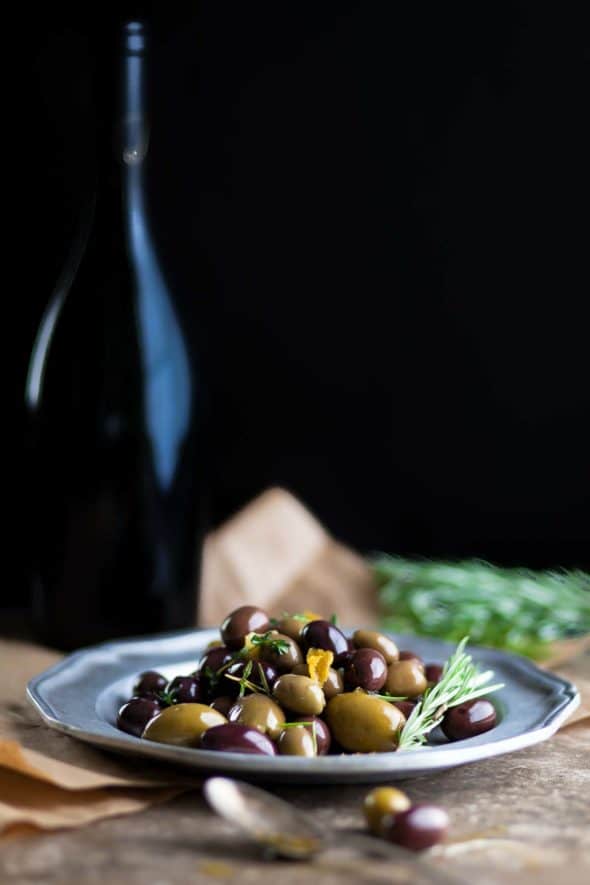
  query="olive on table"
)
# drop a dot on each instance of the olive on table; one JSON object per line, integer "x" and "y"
{"x": 419, "y": 827}
{"x": 244, "y": 620}
{"x": 260, "y": 673}
{"x": 281, "y": 652}
{"x": 433, "y": 673}
{"x": 296, "y": 741}
{"x": 333, "y": 684}
{"x": 378, "y": 641}
{"x": 149, "y": 683}
{"x": 136, "y": 713}
{"x": 223, "y": 704}
{"x": 186, "y": 690}
{"x": 259, "y": 712}
{"x": 300, "y": 694}
{"x": 235, "y": 738}
{"x": 406, "y": 679}
{"x": 363, "y": 723}
{"x": 323, "y": 634}
{"x": 381, "y": 803}
{"x": 322, "y": 732}
{"x": 467, "y": 720}
{"x": 366, "y": 669}
{"x": 182, "y": 724}
{"x": 406, "y": 655}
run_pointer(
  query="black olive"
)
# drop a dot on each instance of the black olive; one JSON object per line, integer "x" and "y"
{"x": 149, "y": 684}
{"x": 323, "y": 634}
{"x": 366, "y": 669}
{"x": 236, "y": 738}
{"x": 136, "y": 713}
{"x": 244, "y": 620}
{"x": 467, "y": 720}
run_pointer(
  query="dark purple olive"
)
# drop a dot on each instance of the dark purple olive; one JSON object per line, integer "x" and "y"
{"x": 323, "y": 634}
{"x": 469, "y": 719}
{"x": 366, "y": 669}
{"x": 410, "y": 656}
{"x": 236, "y": 738}
{"x": 259, "y": 672}
{"x": 186, "y": 690}
{"x": 209, "y": 666}
{"x": 244, "y": 620}
{"x": 322, "y": 732}
{"x": 136, "y": 713}
{"x": 223, "y": 704}
{"x": 406, "y": 707}
{"x": 342, "y": 660}
{"x": 433, "y": 673}
{"x": 149, "y": 684}
{"x": 419, "y": 827}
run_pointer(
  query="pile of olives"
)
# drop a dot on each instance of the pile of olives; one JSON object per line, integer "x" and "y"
{"x": 390, "y": 815}
{"x": 296, "y": 686}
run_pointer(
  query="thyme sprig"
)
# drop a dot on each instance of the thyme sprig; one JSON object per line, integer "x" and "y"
{"x": 461, "y": 681}
{"x": 269, "y": 640}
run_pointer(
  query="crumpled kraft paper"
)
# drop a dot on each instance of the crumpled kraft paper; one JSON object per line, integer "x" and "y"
{"x": 273, "y": 553}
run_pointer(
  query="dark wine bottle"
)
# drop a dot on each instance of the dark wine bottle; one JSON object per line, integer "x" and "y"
{"x": 115, "y": 406}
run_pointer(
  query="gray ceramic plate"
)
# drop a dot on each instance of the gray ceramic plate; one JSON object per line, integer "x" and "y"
{"x": 82, "y": 693}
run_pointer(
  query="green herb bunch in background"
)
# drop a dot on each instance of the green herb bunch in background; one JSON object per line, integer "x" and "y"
{"x": 501, "y": 607}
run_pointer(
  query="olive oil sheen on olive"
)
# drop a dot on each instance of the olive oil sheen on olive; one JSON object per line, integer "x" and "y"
{"x": 115, "y": 405}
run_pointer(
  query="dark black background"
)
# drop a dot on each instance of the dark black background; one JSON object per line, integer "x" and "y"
{"x": 380, "y": 212}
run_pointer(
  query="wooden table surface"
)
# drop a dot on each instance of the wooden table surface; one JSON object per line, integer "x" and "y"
{"x": 519, "y": 818}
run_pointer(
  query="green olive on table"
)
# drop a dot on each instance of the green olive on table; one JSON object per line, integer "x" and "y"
{"x": 182, "y": 724}
{"x": 300, "y": 694}
{"x": 406, "y": 679}
{"x": 363, "y": 723}
{"x": 380, "y": 804}
{"x": 259, "y": 712}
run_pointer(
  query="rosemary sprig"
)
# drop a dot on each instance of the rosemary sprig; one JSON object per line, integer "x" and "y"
{"x": 268, "y": 640}
{"x": 461, "y": 681}
{"x": 388, "y": 697}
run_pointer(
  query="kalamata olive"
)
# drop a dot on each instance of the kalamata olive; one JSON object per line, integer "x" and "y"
{"x": 292, "y": 626}
{"x": 296, "y": 741}
{"x": 258, "y": 711}
{"x": 381, "y": 803}
{"x": 333, "y": 684}
{"x": 366, "y": 669}
{"x": 260, "y": 673}
{"x": 136, "y": 713}
{"x": 185, "y": 690}
{"x": 419, "y": 827}
{"x": 300, "y": 694}
{"x": 235, "y": 738}
{"x": 149, "y": 683}
{"x": 378, "y": 641}
{"x": 281, "y": 652}
{"x": 406, "y": 707}
{"x": 244, "y": 620}
{"x": 222, "y": 704}
{"x": 406, "y": 679}
{"x": 433, "y": 673}
{"x": 182, "y": 724}
{"x": 410, "y": 656}
{"x": 362, "y": 723}
{"x": 469, "y": 719}
{"x": 322, "y": 732}
{"x": 215, "y": 658}
{"x": 323, "y": 634}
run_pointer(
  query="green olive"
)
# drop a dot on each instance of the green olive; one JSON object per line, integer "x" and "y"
{"x": 333, "y": 684}
{"x": 287, "y": 658}
{"x": 381, "y": 803}
{"x": 406, "y": 679}
{"x": 296, "y": 741}
{"x": 300, "y": 694}
{"x": 258, "y": 711}
{"x": 378, "y": 642}
{"x": 362, "y": 723}
{"x": 292, "y": 627}
{"x": 182, "y": 724}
